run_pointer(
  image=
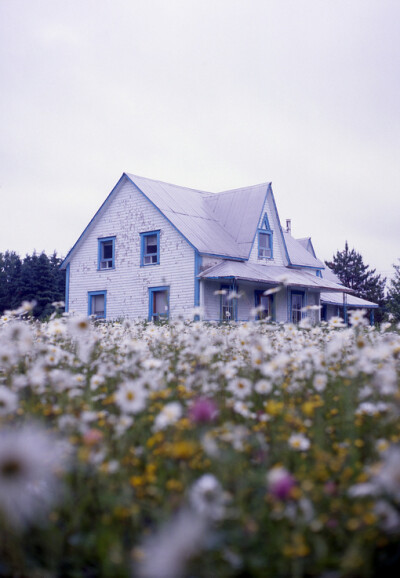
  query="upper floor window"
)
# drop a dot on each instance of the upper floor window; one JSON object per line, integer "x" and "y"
{"x": 264, "y": 245}
{"x": 150, "y": 248}
{"x": 265, "y": 235}
{"x": 106, "y": 253}
{"x": 97, "y": 301}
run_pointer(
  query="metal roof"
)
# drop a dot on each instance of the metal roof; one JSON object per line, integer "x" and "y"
{"x": 239, "y": 212}
{"x": 269, "y": 274}
{"x": 299, "y": 255}
{"x": 191, "y": 212}
{"x": 352, "y": 301}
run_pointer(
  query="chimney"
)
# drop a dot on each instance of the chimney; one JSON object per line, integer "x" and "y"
{"x": 289, "y": 226}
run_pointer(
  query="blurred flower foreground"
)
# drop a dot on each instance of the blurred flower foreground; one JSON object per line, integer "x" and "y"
{"x": 198, "y": 450}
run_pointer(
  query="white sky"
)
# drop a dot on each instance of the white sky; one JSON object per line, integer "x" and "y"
{"x": 207, "y": 94}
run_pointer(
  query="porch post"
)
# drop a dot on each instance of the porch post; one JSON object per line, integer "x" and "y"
{"x": 345, "y": 307}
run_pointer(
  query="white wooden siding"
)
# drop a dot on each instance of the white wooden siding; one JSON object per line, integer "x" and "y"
{"x": 279, "y": 257}
{"x": 127, "y": 215}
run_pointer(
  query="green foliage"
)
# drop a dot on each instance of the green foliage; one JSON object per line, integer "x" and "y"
{"x": 35, "y": 278}
{"x": 393, "y": 296}
{"x": 355, "y": 274}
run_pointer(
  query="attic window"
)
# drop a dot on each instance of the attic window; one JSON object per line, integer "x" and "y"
{"x": 265, "y": 240}
{"x": 150, "y": 248}
{"x": 264, "y": 245}
{"x": 106, "y": 253}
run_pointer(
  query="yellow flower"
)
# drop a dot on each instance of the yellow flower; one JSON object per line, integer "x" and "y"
{"x": 273, "y": 407}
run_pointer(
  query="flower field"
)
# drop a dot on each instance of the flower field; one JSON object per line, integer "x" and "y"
{"x": 197, "y": 450}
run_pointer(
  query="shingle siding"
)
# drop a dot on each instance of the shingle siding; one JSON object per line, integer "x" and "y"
{"x": 278, "y": 249}
{"x": 128, "y": 214}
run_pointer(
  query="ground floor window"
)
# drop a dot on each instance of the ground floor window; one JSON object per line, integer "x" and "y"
{"x": 297, "y": 299}
{"x": 158, "y": 303}
{"x": 264, "y": 305}
{"x": 97, "y": 301}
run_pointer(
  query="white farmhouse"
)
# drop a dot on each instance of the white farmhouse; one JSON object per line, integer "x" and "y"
{"x": 155, "y": 250}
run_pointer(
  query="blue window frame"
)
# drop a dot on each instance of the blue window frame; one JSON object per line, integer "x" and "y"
{"x": 149, "y": 248}
{"x": 266, "y": 302}
{"x": 228, "y": 305}
{"x": 265, "y": 238}
{"x": 297, "y": 304}
{"x": 158, "y": 303}
{"x": 97, "y": 304}
{"x": 106, "y": 253}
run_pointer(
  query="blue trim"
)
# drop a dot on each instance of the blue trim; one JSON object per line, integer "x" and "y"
{"x": 142, "y": 248}
{"x": 153, "y": 290}
{"x": 270, "y": 235}
{"x": 69, "y": 254}
{"x": 197, "y": 269}
{"x": 100, "y": 242}
{"x": 92, "y": 294}
{"x": 280, "y": 227}
{"x": 228, "y": 257}
{"x": 67, "y": 275}
{"x": 294, "y": 266}
{"x": 265, "y": 223}
{"x": 319, "y": 273}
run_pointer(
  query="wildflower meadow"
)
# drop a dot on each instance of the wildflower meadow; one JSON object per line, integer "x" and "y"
{"x": 198, "y": 450}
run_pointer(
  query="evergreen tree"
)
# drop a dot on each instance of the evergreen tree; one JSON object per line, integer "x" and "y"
{"x": 393, "y": 296}
{"x": 36, "y": 278}
{"x": 10, "y": 278}
{"x": 353, "y": 273}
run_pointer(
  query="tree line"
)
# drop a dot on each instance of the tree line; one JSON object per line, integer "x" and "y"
{"x": 34, "y": 278}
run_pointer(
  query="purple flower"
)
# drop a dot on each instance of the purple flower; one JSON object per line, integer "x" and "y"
{"x": 203, "y": 410}
{"x": 280, "y": 482}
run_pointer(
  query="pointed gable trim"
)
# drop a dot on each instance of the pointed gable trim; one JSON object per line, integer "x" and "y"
{"x": 92, "y": 220}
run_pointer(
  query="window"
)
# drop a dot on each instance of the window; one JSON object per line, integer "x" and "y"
{"x": 264, "y": 304}
{"x": 158, "y": 303}
{"x": 97, "y": 301}
{"x": 297, "y": 306}
{"x": 228, "y": 303}
{"x": 265, "y": 247}
{"x": 106, "y": 256}
{"x": 150, "y": 248}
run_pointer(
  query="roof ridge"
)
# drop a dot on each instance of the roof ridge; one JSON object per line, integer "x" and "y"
{"x": 268, "y": 183}
{"x": 170, "y": 184}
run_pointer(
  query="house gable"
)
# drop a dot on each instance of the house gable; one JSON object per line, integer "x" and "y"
{"x": 126, "y": 216}
{"x": 269, "y": 215}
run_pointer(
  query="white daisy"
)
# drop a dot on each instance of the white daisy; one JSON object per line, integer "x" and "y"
{"x": 299, "y": 442}
{"x": 169, "y": 414}
{"x": 29, "y": 461}
{"x": 131, "y": 397}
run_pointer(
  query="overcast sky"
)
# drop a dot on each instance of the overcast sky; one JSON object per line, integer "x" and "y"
{"x": 207, "y": 94}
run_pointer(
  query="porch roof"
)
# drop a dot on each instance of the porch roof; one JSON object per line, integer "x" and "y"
{"x": 270, "y": 274}
{"x": 352, "y": 301}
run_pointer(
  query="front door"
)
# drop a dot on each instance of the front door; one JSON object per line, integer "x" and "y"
{"x": 297, "y": 306}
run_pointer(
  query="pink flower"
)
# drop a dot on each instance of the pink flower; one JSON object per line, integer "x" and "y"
{"x": 280, "y": 482}
{"x": 203, "y": 410}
